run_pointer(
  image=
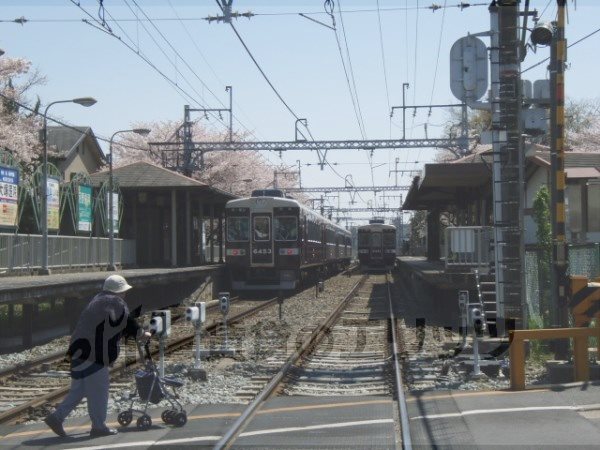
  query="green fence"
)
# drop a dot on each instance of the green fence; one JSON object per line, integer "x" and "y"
{"x": 584, "y": 259}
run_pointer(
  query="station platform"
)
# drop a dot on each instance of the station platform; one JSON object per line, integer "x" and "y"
{"x": 559, "y": 416}
{"x": 17, "y": 289}
{"x": 433, "y": 273}
{"x": 283, "y": 422}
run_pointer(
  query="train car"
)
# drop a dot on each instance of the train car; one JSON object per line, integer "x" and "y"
{"x": 376, "y": 246}
{"x": 273, "y": 242}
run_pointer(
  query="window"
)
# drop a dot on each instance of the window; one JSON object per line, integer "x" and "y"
{"x": 237, "y": 229}
{"x": 363, "y": 239}
{"x": 262, "y": 229}
{"x": 286, "y": 228}
{"x": 593, "y": 207}
{"x": 389, "y": 239}
{"x": 375, "y": 239}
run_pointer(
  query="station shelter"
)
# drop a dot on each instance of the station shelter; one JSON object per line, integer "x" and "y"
{"x": 175, "y": 220}
{"x": 459, "y": 193}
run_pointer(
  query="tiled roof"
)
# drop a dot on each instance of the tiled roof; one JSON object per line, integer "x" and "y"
{"x": 65, "y": 139}
{"x": 146, "y": 175}
{"x": 572, "y": 159}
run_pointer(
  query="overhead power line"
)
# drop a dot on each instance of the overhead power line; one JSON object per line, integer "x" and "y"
{"x": 64, "y": 124}
{"x": 262, "y": 72}
{"x": 433, "y": 7}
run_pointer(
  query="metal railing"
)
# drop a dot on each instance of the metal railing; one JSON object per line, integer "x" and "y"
{"x": 469, "y": 247}
{"x": 20, "y": 252}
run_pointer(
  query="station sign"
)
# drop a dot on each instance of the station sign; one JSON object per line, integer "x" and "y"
{"x": 9, "y": 196}
{"x": 115, "y": 212}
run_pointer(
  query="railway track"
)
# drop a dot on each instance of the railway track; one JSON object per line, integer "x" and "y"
{"x": 324, "y": 365}
{"x": 30, "y": 386}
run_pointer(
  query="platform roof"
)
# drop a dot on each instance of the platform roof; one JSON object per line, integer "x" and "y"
{"x": 146, "y": 176}
{"x": 442, "y": 183}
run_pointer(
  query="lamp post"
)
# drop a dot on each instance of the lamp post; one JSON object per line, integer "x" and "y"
{"x": 111, "y": 232}
{"x": 83, "y": 101}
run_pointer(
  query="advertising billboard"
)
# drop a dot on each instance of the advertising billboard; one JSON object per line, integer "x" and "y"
{"x": 53, "y": 191}
{"x": 84, "y": 208}
{"x": 9, "y": 196}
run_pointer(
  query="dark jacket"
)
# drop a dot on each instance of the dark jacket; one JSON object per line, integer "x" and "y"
{"x": 99, "y": 329}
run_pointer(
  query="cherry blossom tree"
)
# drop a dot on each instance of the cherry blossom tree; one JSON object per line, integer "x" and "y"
{"x": 18, "y": 129}
{"x": 235, "y": 172}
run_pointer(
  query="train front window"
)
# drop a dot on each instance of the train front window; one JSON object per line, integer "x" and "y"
{"x": 389, "y": 239}
{"x": 286, "y": 228}
{"x": 262, "y": 229}
{"x": 237, "y": 229}
{"x": 363, "y": 239}
{"x": 375, "y": 239}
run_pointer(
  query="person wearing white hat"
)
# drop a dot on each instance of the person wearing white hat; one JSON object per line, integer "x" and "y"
{"x": 93, "y": 348}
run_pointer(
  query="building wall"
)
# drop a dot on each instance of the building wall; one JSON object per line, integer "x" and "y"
{"x": 541, "y": 177}
{"x": 83, "y": 160}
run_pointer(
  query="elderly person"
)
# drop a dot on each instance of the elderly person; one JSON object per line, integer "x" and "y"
{"x": 93, "y": 348}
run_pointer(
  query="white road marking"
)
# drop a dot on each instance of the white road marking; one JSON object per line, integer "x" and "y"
{"x": 245, "y": 434}
{"x": 496, "y": 411}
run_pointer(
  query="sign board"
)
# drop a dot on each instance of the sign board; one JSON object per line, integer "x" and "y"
{"x": 9, "y": 196}
{"x": 84, "y": 208}
{"x": 53, "y": 194}
{"x": 468, "y": 68}
{"x": 115, "y": 212}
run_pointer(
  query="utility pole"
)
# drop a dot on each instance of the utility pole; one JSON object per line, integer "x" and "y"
{"x": 507, "y": 167}
{"x": 299, "y": 174}
{"x": 188, "y": 141}
{"x": 557, "y": 118}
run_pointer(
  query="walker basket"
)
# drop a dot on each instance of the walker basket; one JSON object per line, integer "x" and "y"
{"x": 148, "y": 386}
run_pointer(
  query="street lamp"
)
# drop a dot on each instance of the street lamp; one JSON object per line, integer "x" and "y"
{"x": 83, "y": 101}
{"x": 111, "y": 232}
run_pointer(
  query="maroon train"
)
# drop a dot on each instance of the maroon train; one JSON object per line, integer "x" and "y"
{"x": 274, "y": 242}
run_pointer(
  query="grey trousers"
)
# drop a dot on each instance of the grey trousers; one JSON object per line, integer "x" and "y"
{"x": 94, "y": 386}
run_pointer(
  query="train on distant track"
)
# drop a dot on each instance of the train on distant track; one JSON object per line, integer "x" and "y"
{"x": 376, "y": 246}
{"x": 274, "y": 243}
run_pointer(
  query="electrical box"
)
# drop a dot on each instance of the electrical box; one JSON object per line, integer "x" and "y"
{"x": 160, "y": 323}
{"x": 224, "y": 302}
{"x": 535, "y": 121}
{"x": 541, "y": 92}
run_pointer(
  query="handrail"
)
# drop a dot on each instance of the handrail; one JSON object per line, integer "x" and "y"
{"x": 580, "y": 336}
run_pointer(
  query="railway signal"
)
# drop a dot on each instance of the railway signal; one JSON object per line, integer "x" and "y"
{"x": 160, "y": 325}
{"x": 197, "y": 316}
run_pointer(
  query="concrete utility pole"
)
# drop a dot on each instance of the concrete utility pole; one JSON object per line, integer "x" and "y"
{"x": 507, "y": 168}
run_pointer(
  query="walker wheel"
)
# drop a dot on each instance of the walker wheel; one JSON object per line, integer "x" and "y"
{"x": 124, "y": 418}
{"x": 167, "y": 416}
{"x": 180, "y": 419}
{"x": 144, "y": 422}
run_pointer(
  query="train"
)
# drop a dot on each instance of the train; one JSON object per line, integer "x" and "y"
{"x": 376, "y": 246}
{"x": 273, "y": 242}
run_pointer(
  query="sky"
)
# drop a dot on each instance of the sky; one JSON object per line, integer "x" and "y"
{"x": 409, "y": 44}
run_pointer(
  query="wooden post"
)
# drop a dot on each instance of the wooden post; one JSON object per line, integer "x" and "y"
{"x": 580, "y": 357}
{"x": 517, "y": 362}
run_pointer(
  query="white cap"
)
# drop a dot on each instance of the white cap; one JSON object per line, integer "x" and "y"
{"x": 116, "y": 284}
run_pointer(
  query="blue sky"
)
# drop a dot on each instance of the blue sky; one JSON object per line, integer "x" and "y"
{"x": 299, "y": 56}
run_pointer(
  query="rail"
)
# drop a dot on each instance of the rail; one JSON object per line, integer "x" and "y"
{"x": 228, "y": 438}
{"x": 403, "y": 410}
{"x": 174, "y": 345}
{"x": 20, "y": 252}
